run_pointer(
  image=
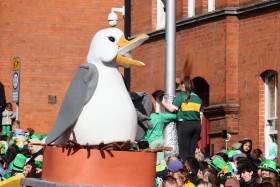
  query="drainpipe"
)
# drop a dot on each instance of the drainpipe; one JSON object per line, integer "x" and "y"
{"x": 127, "y": 33}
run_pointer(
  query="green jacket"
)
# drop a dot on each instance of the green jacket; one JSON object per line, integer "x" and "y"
{"x": 158, "y": 120}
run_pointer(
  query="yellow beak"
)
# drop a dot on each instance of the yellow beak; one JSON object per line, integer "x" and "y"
{"x": 125, "y": 47}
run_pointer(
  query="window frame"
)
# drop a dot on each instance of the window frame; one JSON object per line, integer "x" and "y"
{"x": 270, "y": 133}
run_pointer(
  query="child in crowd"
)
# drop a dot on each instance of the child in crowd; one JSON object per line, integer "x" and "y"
{"x": 8, "y": 116}
{"x": 9, "y": 157}
{"x": 16, "y": 129}
{"x": 169, "y": 182}
{"x": 256, "y": 155}
{"x": 183, "y": 178}
{"x": 18, "y": 164}
{"x": 32, "y": 135}
{"x": 154, "y": 135}
{"x": 29, "y": 170}
{"x": 246, "y": 147}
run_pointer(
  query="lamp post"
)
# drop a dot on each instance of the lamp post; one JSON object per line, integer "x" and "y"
{"x": 170, "y": 131}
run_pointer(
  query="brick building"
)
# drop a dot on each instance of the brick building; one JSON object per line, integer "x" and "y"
{"x": 231, "y": 50}
{"x": 52, "y": 38}
{"x": 229, "y": 47}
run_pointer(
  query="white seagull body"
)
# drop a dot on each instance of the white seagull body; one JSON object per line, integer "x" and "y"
{"x": 108, "y": 114}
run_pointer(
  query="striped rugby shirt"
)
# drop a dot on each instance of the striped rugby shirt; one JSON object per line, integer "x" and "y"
{"x": 190, "y": 111}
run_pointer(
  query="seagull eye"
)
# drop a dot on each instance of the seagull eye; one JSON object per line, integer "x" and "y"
{"x": 111, "y": 38}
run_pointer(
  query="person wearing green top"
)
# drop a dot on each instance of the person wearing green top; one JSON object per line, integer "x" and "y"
{"x": 154, "y": 136}
{"x": 188, "y": 106}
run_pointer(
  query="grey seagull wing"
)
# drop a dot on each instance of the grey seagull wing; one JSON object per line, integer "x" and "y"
{"x": 78, "y": 94}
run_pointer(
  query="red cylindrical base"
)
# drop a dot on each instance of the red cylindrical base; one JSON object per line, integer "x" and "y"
{"x": 114, "y": 168}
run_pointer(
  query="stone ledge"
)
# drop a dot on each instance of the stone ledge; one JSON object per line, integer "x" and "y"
{"x": 219, "y": 133}
{"x": 217, "y": 112}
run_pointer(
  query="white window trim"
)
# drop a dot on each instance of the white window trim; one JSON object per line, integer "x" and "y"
{"x": 211, "y": 5}
{"x": 267, "y": 131}
{"x": 191, "y": 8}
{"x": 160, "y": 15}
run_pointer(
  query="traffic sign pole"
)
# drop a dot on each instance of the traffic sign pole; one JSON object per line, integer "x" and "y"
{"x": 15, "y": 82}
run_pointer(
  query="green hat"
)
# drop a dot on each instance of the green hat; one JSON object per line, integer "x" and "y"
{"x": 18, "y": 162}
{"x": 3, "y": 147}
{"x": 217, "y": 163}
{"x": 160, "y": 168}
{"x": 6, "y": 176}
{"x": 226, "y": 171}
{"x": 44, "y": 136}
{"x": 38, "y": 164}
{"x": 236, "y": 146}
{"x": 269, "y": 165}
{"x": 230, "y": 153}
{"x": 36, "y": 136}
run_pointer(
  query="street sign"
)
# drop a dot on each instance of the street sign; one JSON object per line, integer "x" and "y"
{"x": 15, "y": 79}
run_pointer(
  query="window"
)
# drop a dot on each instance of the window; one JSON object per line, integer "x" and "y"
{"x": 211, "y": 5}
{"x": 160, "y": 14}
{"x": 191, "y": 8}
{"x": 271, "y": 87}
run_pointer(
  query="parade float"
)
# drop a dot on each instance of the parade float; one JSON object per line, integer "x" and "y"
{"x": 90, "y": 141}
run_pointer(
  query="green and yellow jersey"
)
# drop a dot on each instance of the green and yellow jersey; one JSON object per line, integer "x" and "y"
{"x": 188, "y": 111}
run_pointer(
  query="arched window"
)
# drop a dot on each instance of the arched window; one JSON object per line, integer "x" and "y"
{"x": 270, "y": 97}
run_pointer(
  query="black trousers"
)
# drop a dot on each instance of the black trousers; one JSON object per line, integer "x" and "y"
{"x": 188, "y": 136}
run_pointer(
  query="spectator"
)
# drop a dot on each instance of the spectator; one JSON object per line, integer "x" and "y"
{"x": 204, "y": 184}
{"x": 162, "y": 172}
{"x": 249, "y": 173}
{"x": 271, "y": 181}
{"x": 36, "y": 151}
{"x": 169, "y": 182}
{"x": 232, "y": 182}
{"x": 18, "y": 164}
{"x": 202, "y": 166}
{"x": 256, "y": 155}
{"x": 246, "y": 147}
{"x": 199, "y": 157}
{"x": 224, "y": 156}
{"x": 217, "y": 164}
{"x": 10, "y": 156}
{"x": 170, "y": 159}
{"x": 230, "y": 154}
{"x": 8, "y": 116}
{"x": 33, "y": 135}
{"x": 198, "y": 150}
{"x": 182, "y": 178}
{"x": 211, "y": 175}
{"x": 189, "y": 117}
{"x": 155, "y": 136}
{"x": 192, "y": 165}
{"x": 268, "y": 169}
{"x": 29, "y": 170}
{"x": 16, "y": 129}
{"x": 173, "y": 166}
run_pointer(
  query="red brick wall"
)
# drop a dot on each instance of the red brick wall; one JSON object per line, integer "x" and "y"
{"x": 230, "y": 54}
{"x": 144, "y": 13}
{"x": 141, "y": 16}
{"x": 52, "y": 38}
{"x": 258, "y": 52}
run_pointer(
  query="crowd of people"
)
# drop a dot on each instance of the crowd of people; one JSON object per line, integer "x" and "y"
{"x": 231, "y": 168}
{"x": 20, "y": 152}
